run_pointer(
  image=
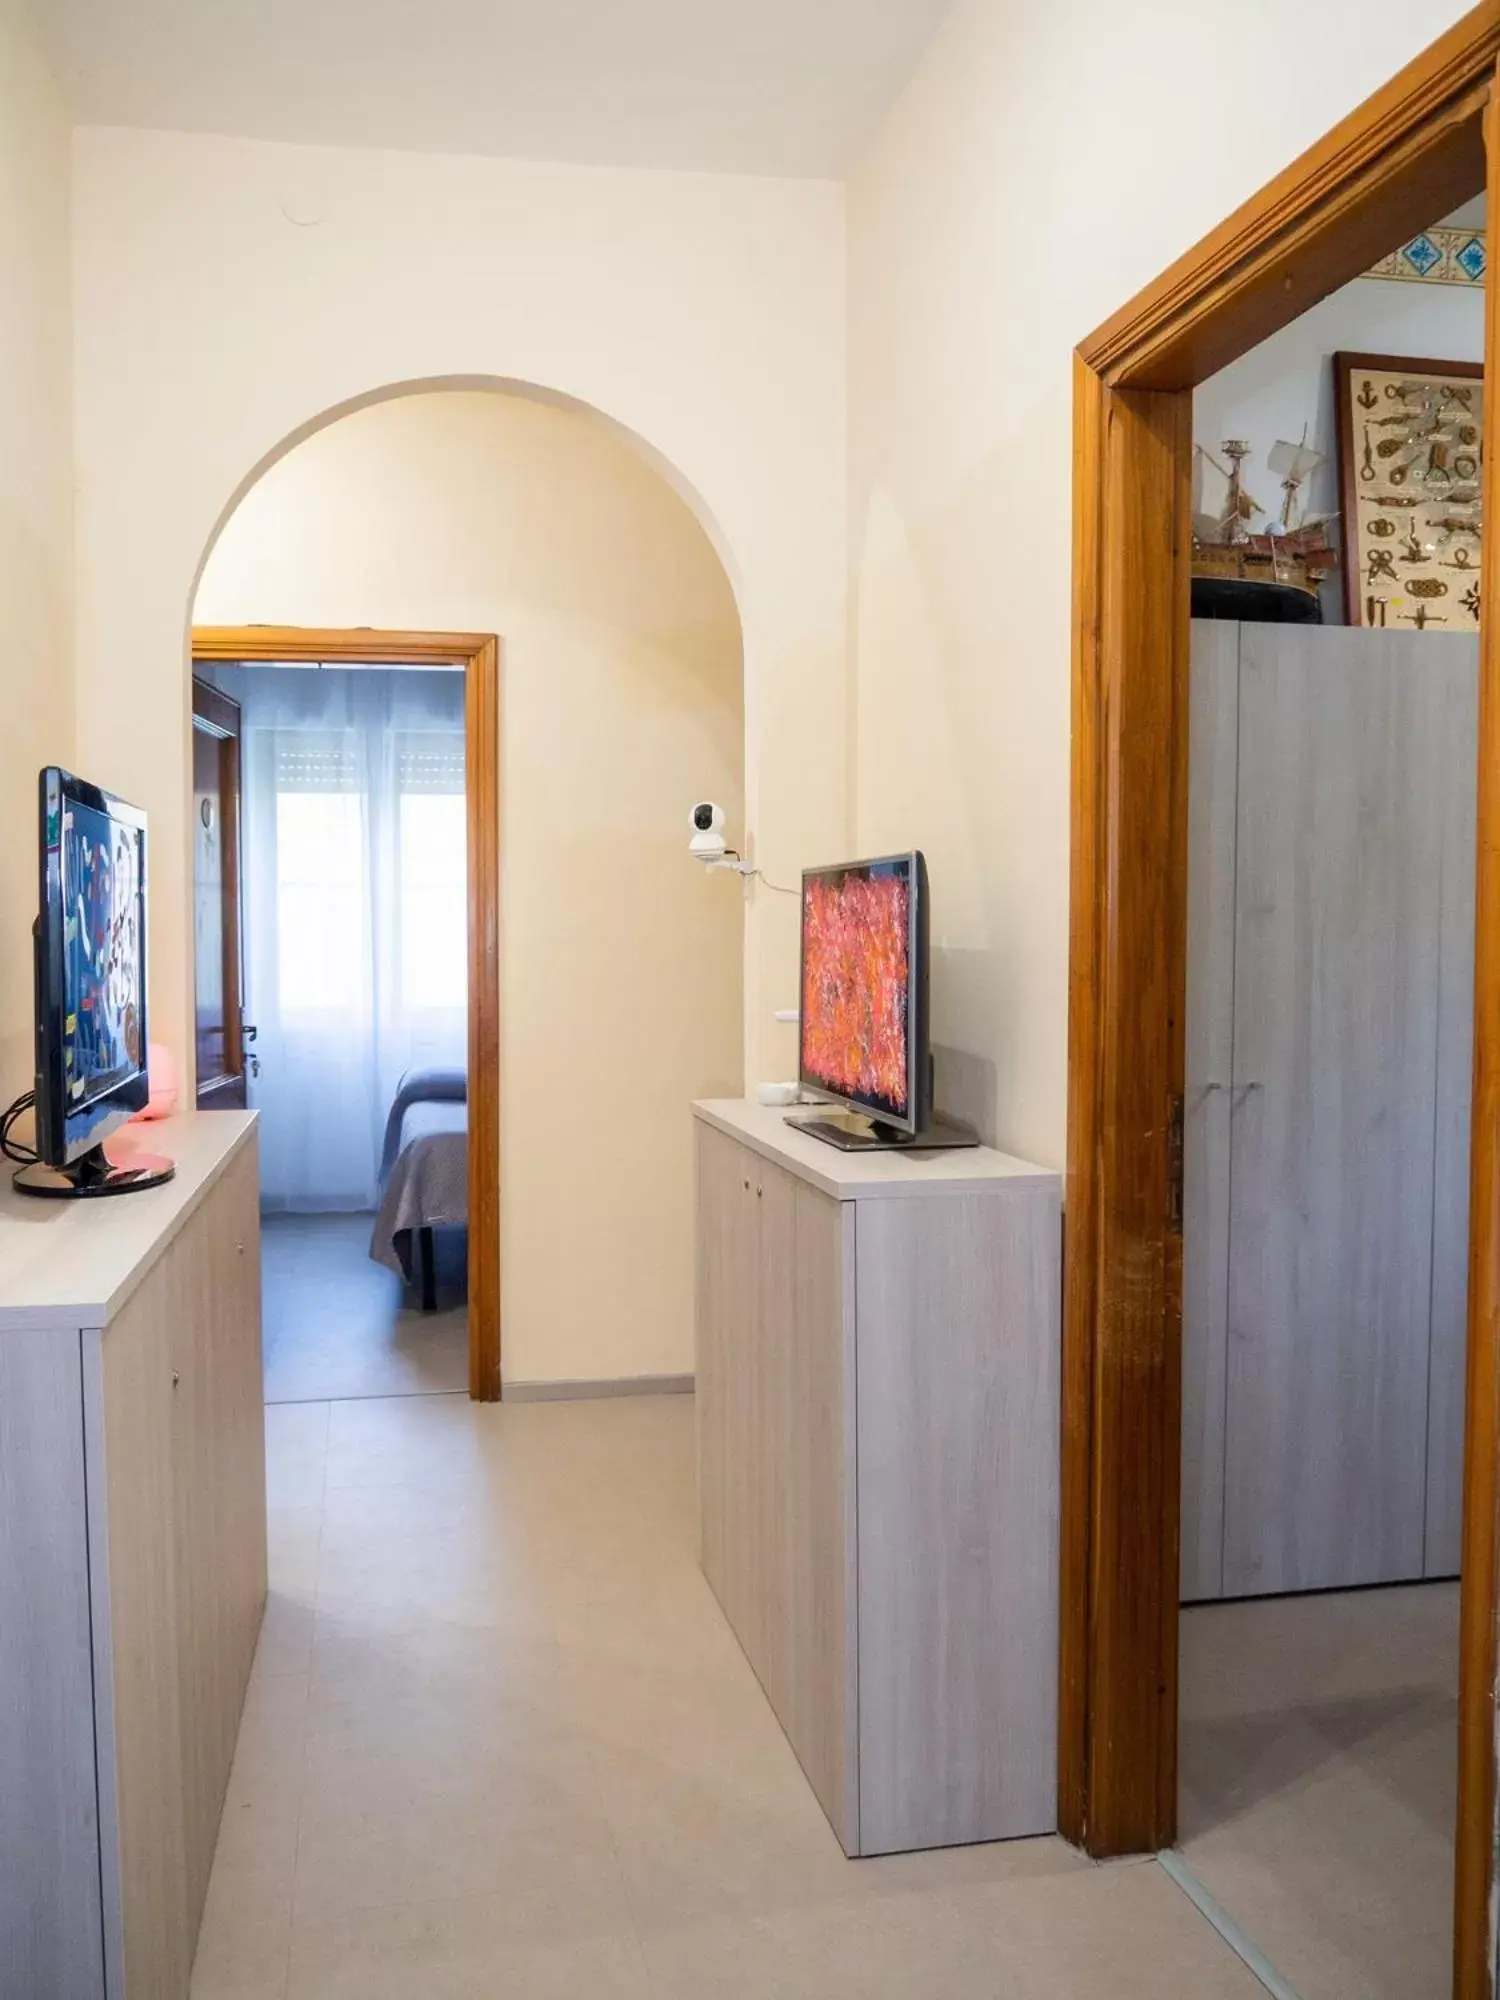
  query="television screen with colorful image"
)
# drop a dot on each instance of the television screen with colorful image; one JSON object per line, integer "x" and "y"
{"x": 102, "y": 951}
{"x": 863, "y": 975}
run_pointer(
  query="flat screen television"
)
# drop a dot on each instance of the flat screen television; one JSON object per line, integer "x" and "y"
{"x": 863, "y": 1028}
{"x": 90, "y": 953}
{"x": 863, "y": 1033}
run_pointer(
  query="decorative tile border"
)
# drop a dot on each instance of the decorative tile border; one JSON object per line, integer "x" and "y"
{"x": 1439, "y": 256}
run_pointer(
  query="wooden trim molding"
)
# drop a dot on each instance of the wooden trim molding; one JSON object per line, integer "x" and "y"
{"x": 1121, "y": 1351}
{"x": 482, "y": 781}
{"x": 217, "y": 717}
{"x": 478, "y": 654}
{"x": 1414, "y": 151}
{"x": 1479, "y": 1597}
{"x": 1410, "y": 153}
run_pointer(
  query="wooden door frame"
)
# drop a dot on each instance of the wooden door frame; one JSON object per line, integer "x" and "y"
{"x": 1410, "y": 153}
{"x": 478, "y": 654}
{"x": 208, "y": 706}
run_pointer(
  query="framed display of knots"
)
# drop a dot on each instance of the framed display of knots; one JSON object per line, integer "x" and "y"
{"x": 1409, "y": 473}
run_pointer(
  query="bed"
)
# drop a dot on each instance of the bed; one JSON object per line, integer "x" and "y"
{"x": 424, "y": 1174}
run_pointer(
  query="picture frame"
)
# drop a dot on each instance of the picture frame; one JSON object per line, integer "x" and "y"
{"x": 1410, "y": 490}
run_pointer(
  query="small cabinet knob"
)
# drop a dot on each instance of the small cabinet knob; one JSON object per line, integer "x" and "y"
{"x": 759, "y": 1192}
{"x": 747, "y": 1184}
{"x": 176, "y": 1378}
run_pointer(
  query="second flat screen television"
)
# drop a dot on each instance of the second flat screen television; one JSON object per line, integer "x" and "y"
{"x": 864, "y": 1007}
{"x": 863, "y": 1032}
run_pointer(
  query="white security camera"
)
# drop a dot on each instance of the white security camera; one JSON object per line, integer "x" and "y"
{"x": 708, "y": 843}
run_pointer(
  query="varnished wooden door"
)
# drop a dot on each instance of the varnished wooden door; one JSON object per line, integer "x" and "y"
{"x": 219, "y": 1034}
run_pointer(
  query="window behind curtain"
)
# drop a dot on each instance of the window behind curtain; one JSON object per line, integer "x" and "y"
{"x": 431, "y": 956}
{"x": 356, "y": 911}
{"x": 322, "y": 900}
{"x": 321, "y": 855}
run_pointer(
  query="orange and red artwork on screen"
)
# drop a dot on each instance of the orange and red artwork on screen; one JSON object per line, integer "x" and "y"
{"x": 856, "y": 963}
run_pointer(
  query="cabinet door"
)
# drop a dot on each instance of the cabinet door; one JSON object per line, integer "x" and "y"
{"x": 1458, "y": 664}
{"x": 140, "y": 1512}
{"x": 1213, "y": 755}
{"x": 242, "y": 1472}
{"x": 725, "y": 1284}
{"x": 958, "y": 1570}
{"x": 803, "y": 1402}
{"x": 219, "y": 1497}
{"x": 1335, "y": 1036}
{"x": 51, "y": 1919}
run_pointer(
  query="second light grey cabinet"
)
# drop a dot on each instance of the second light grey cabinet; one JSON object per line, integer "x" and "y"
{"x": 1329, "y": 1020}
{"x": 877, "y": 1403}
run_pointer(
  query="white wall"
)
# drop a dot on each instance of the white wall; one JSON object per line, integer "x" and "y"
{"x": 228, "y": 292}
{"x": 1287, "y": 382}
{"x": 1042, "y": 165}
{"x": 36, "y": 503}
{"x": 621, "y": 703}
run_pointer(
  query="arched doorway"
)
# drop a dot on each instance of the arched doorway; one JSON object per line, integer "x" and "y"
{"x": 522, "y": 513}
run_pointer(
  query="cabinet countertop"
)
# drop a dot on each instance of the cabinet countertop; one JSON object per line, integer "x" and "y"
{"x": 869, "y": 1176}
{"x": 74, "y": 1263}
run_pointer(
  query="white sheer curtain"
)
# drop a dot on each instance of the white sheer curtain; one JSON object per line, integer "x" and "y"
{"x": 353, "y": 842}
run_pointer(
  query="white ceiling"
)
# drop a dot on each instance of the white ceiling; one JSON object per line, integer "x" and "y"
{"x": 751, "y": 86}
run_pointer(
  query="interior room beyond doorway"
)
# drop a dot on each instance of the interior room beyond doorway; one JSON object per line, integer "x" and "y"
{"x": 348, "y": 921}
{"x": 1333, "y": 702}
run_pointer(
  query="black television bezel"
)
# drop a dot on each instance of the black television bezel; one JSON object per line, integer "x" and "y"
{"x": 918, "y": 950}
{"x": 62, "y": 1136}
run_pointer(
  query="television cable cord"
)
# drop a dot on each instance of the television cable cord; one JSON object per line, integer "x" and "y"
{"x": 14, "y": 1149}
{"x": 755, "y": 875}
{"x": 733, "y": 860}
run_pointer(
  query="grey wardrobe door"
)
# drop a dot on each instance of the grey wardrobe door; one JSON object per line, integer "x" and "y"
{"x": 1457, "y": 660}
{"x": 1335, "y": 1039}
{"x": 1213, "y": 752}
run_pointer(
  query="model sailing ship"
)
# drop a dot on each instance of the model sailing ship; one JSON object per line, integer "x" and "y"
{"x": 1295, "y": 552}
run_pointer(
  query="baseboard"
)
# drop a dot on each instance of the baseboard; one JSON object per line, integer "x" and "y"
{"x": 619, "y": 1385}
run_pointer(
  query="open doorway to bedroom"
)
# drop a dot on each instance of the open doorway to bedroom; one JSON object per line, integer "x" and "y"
{"x": 337, "y": 931}
{"x": 345, "y": 847}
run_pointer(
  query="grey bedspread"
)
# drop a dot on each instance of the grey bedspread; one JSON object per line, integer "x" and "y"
{"x": 429, "y": 1183}
{"x": 434, "y": 1085}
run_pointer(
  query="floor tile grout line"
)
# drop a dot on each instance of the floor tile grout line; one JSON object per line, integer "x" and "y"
{"x": 1214, "y": 1914}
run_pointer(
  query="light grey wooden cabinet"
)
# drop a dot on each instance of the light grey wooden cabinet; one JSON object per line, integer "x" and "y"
{"x": 132, "y": 1562}
{"x": 877, "y": 1402}
{"x": 774, "y": 1389}
{"x": 1331, "y": 828}
{"x": 1455, "y": 1073}
{"x": 1207, "y": 1098}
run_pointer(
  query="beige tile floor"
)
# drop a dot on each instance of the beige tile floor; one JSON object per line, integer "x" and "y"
{"x": 1319, "y": 1783}
{"x": 338, "y": 1324}
{"x": 499, "y": 1742}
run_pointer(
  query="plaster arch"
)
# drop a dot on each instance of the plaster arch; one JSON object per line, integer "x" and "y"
{"x": 501, "y": 385}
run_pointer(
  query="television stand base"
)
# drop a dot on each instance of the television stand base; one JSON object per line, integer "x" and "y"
{"x": 94, "y": 1174}
{"x": 852, "y": 1134}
